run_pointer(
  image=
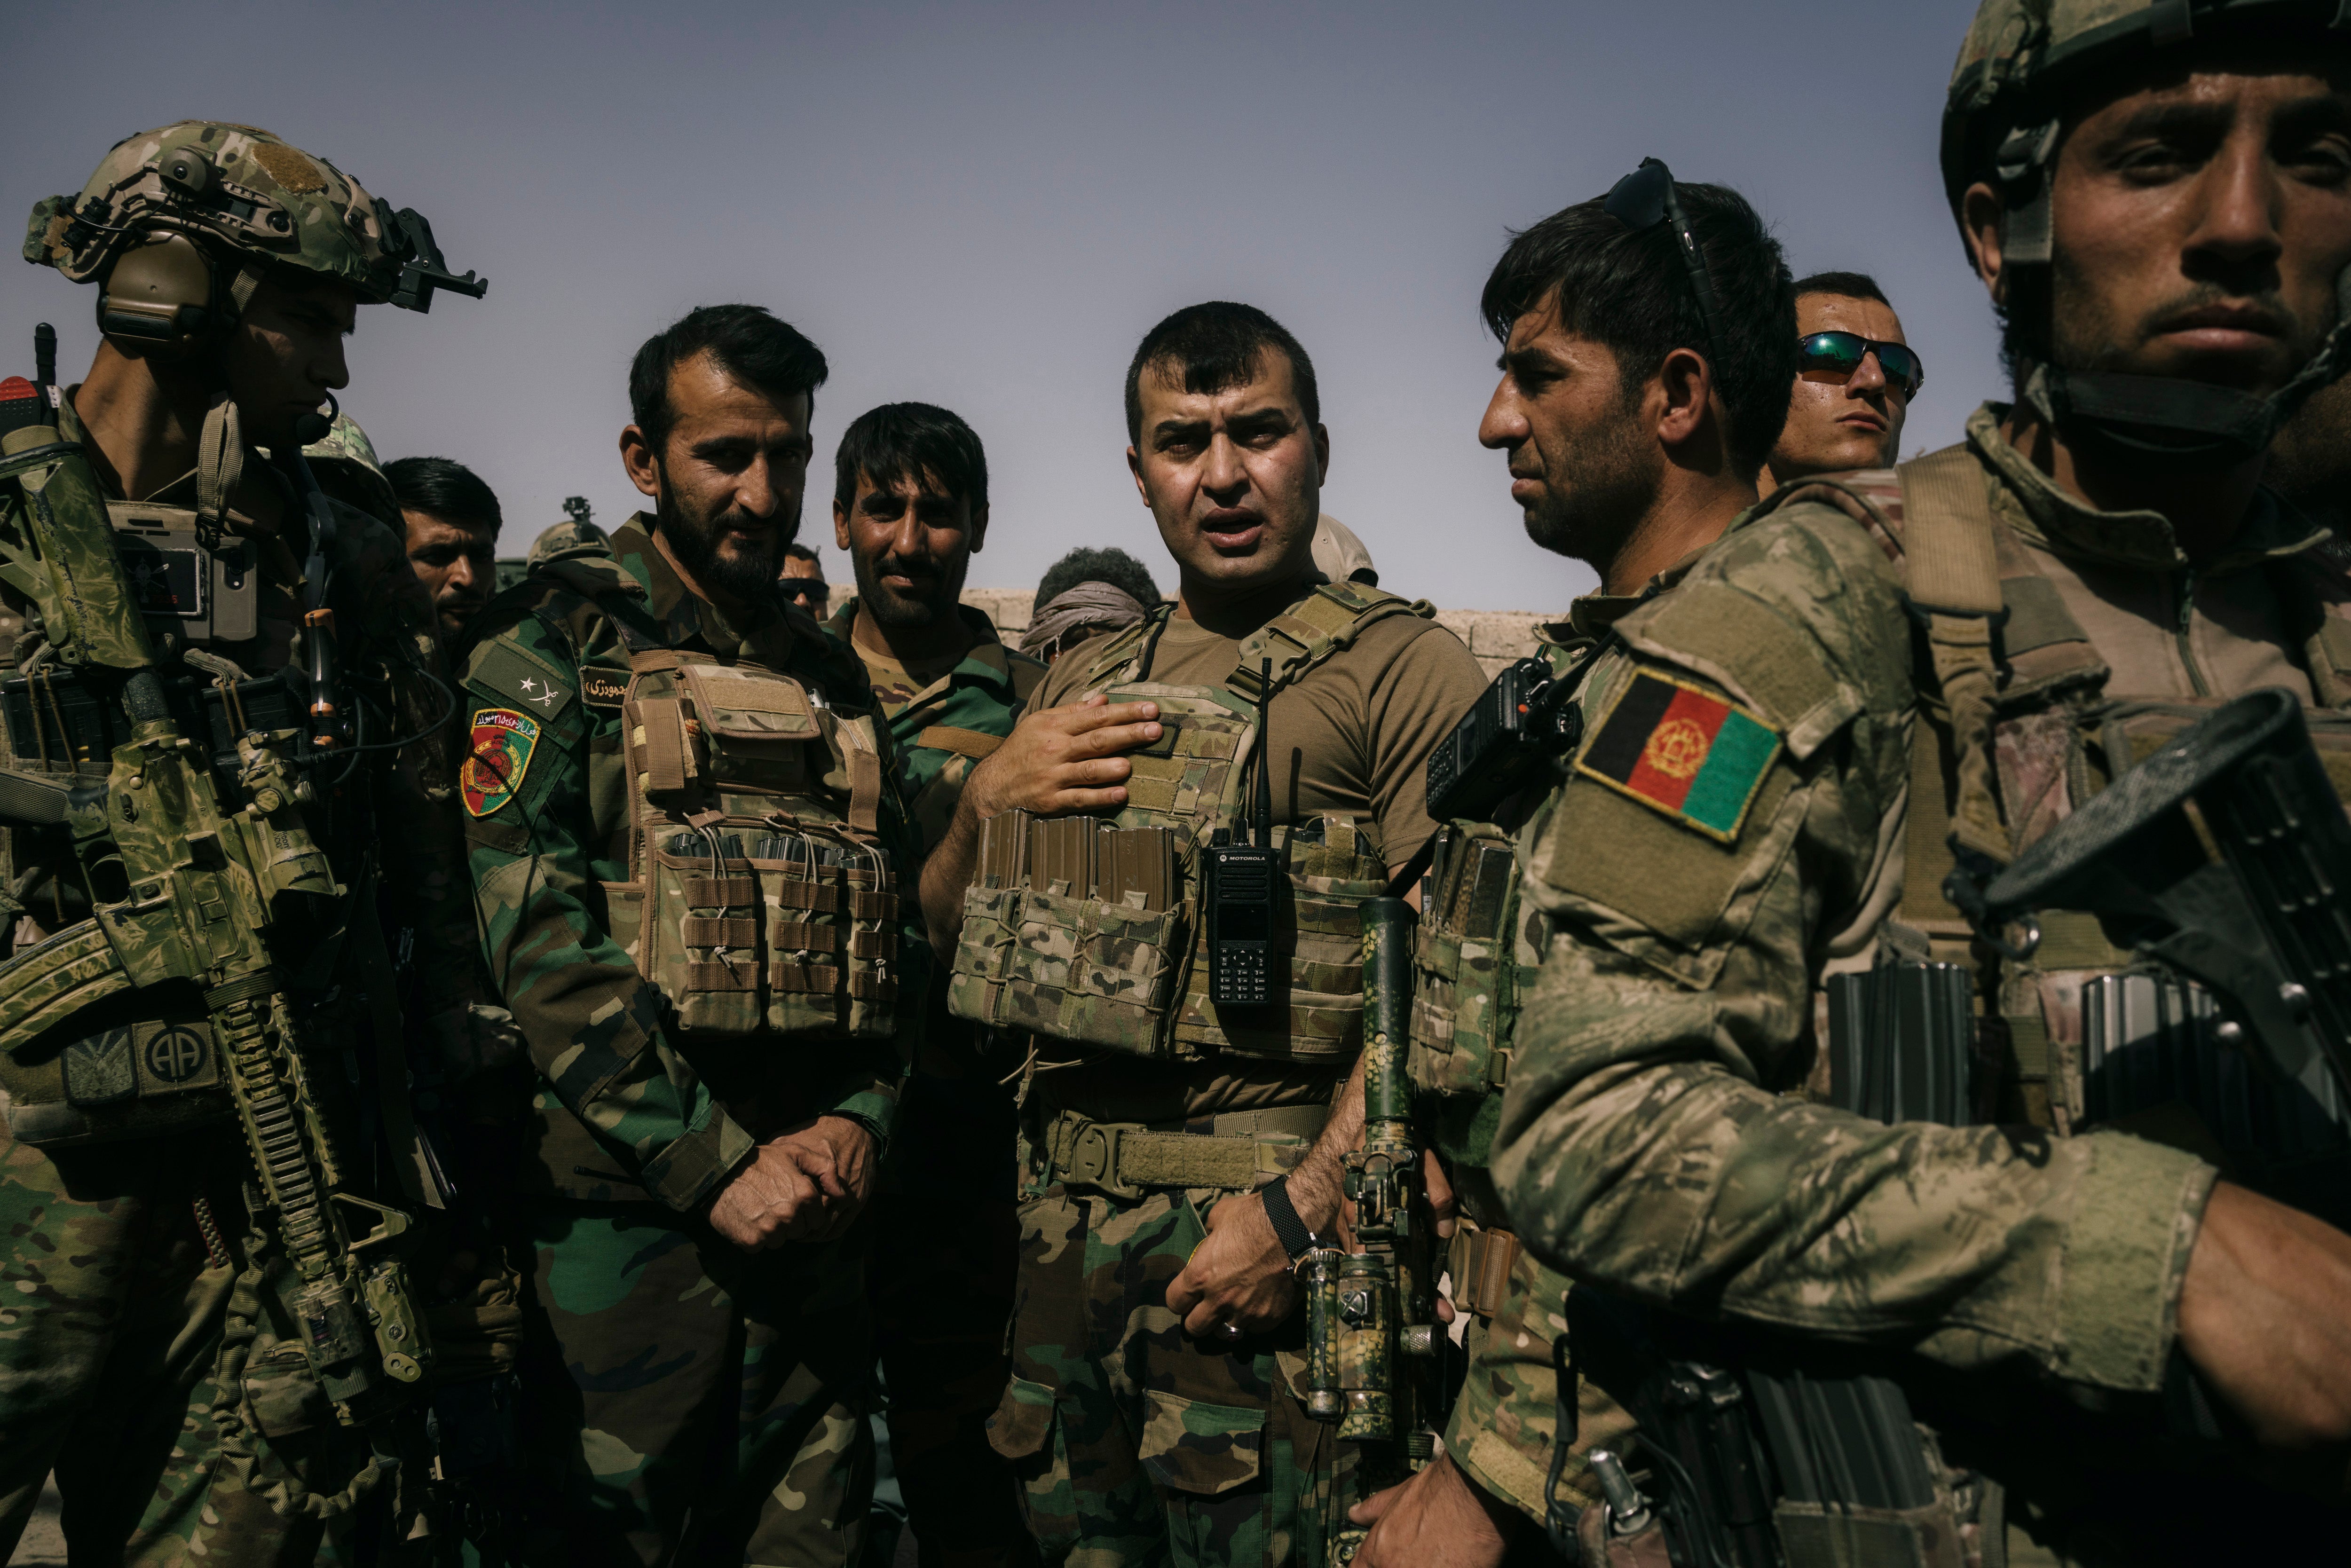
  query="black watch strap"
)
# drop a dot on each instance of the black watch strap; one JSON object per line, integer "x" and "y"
{"x": 1287, "y": 1228}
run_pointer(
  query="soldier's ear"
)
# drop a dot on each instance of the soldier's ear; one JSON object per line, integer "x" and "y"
{"x": 1983, "y": 219}
{"x": 839, "y": 525}
{"x": 977, "y": 532}
{"x": 640, "y": 462}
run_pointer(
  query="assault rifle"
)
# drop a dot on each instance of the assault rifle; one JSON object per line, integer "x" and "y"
{"x": 2266, "y": 925}
{"x": 198, "y": 886}
{"x": 1373, "y": 1341}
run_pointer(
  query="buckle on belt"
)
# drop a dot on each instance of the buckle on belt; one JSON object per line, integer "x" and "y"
{"x": 1092, "y": 1161}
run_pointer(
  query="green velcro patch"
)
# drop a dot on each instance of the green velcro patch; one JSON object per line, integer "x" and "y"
{"x": 1683, "y": 751}
{"x": 1765, "y": 660}
{"x": 533, "y": 685}
{"x": 503, "y": 743}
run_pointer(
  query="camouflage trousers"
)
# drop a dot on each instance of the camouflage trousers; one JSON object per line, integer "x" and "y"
{"x": 1507, "y": 1416}
{"x": 693, "y": 1404}
{"x": 169, "y": 1392}
{"x": 1135, "y": 1443}
{"x": 947, "y": 1239}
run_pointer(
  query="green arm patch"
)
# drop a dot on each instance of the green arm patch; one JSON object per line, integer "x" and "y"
{"x": 1683, "y": 751}
{"x": 532, "y": 686}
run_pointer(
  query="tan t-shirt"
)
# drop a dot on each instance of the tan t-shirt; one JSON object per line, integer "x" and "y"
{"x": 1350, "y": 738}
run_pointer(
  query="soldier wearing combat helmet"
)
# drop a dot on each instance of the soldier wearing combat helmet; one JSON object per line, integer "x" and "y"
{"x": 151, "y": 1352}
{"x": 1756, "y": 997}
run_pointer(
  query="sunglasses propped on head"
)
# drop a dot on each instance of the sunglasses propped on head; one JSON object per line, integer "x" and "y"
{"x": 1837, "y": 355}
{"x": 1644, "y": 199}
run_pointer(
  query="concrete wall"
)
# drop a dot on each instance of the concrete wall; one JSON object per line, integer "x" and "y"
{"x": 1496, "y": 636}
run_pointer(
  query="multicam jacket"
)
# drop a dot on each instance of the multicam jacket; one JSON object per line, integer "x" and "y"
{"x": 945, "y": 728}
{"x": 1737, "y": 821}
{"x": 624, "y": 1108}
{"x": 386, "y": 618}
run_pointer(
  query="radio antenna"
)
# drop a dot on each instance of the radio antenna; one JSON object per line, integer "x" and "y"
{"x": 1264, "y": 756}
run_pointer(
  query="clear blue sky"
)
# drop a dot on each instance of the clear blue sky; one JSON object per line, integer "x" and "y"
{"x": 985, "y": 206}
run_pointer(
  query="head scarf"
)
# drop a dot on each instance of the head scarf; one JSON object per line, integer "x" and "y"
{"x": 1090, "y": 606}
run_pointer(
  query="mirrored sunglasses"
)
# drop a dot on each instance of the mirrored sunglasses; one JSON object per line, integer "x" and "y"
{"x": 1841, "y": 353}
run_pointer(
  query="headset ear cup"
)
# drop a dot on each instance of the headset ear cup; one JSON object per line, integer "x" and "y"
{"x": 164, "y": 292}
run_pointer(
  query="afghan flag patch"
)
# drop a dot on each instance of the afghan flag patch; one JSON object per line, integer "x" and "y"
{"x": 1693, "y": 755}
{"x": 503, "y": 742}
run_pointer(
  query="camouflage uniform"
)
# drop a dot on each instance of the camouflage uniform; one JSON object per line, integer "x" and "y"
{"x": 1692, "y": 911}
{"x": 149, "y": 1352}
{"x": 566, "y": 537}
{"x": 1477, "y": 947}
{"x": 637, "y": 1124}
{"x": 1135, "y": 1442}
{"x": 943, "y": 1285}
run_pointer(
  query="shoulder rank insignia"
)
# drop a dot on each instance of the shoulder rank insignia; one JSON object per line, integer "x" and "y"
{"x": 1693, "y": 755}
{"x": 503, "y": 742}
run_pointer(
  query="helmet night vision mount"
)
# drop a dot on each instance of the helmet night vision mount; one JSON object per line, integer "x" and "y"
{"x": 178, "y": 226}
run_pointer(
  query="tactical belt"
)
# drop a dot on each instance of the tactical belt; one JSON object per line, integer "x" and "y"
{"x": 1239, "y": 1151}
{"x": 1480, "y": 1263}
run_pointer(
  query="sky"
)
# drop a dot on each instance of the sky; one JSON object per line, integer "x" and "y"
{"x": 986, "y": 205}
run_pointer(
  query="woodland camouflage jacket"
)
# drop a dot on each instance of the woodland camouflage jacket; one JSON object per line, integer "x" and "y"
{"x": 623, "y": 1112}
{"x": 939, "y": 728}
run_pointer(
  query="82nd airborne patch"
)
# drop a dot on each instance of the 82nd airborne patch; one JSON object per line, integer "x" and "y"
{"x": 1682, "y": 751}
{"x": 503, "y": 742}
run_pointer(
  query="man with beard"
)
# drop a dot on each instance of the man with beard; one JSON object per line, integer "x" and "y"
{"x": 1895, "y": 1177}
{"x": 453, "y": 524}
{"x": 1632, "y": 451}
{"x": 910, "y": 506}
{"x": 1180, "y": 1156}
{"x": 687, "y": 847}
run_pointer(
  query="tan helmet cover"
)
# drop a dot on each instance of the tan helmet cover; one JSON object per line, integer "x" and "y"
{"x": 2023, "y": 59}
{"x": 2023, "y": 69}
{"x": 236, "y": 187}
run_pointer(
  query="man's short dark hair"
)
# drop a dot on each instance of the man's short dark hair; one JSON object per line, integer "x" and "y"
{"x": 1114, "y": 567}
{"x": 1844, "y": 286}
{"x": 445, "y": 488}
{"x": 795, "y": 550}
{"x": 917, "y": 441}
{"x": 1218, "y": 346}
{"x": 1632, "y": 292}
{"x": 766, "y": 354}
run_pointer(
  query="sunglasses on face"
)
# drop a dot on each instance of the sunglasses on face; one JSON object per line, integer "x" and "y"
{"x": 811, "y": 591}
{"x": 1644, "y": 199}
{"x": 1841, "y": 353}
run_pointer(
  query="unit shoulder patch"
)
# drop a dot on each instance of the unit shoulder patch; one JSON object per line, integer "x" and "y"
{"x": 503, "y": 742}
{"x": 531, "y": 684}
{"x": 1681, "y": 750}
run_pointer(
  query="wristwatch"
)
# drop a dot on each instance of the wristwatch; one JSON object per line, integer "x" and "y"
{"x": 1287, "y": 1228}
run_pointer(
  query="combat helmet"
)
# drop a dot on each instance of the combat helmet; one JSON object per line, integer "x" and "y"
{"x": 179, "y": 226}
{"x": 2021, "y": 65}
{"x": 574, "y": 532}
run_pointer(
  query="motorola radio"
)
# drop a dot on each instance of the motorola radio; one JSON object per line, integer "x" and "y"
{"x": 1241, "y": 888}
